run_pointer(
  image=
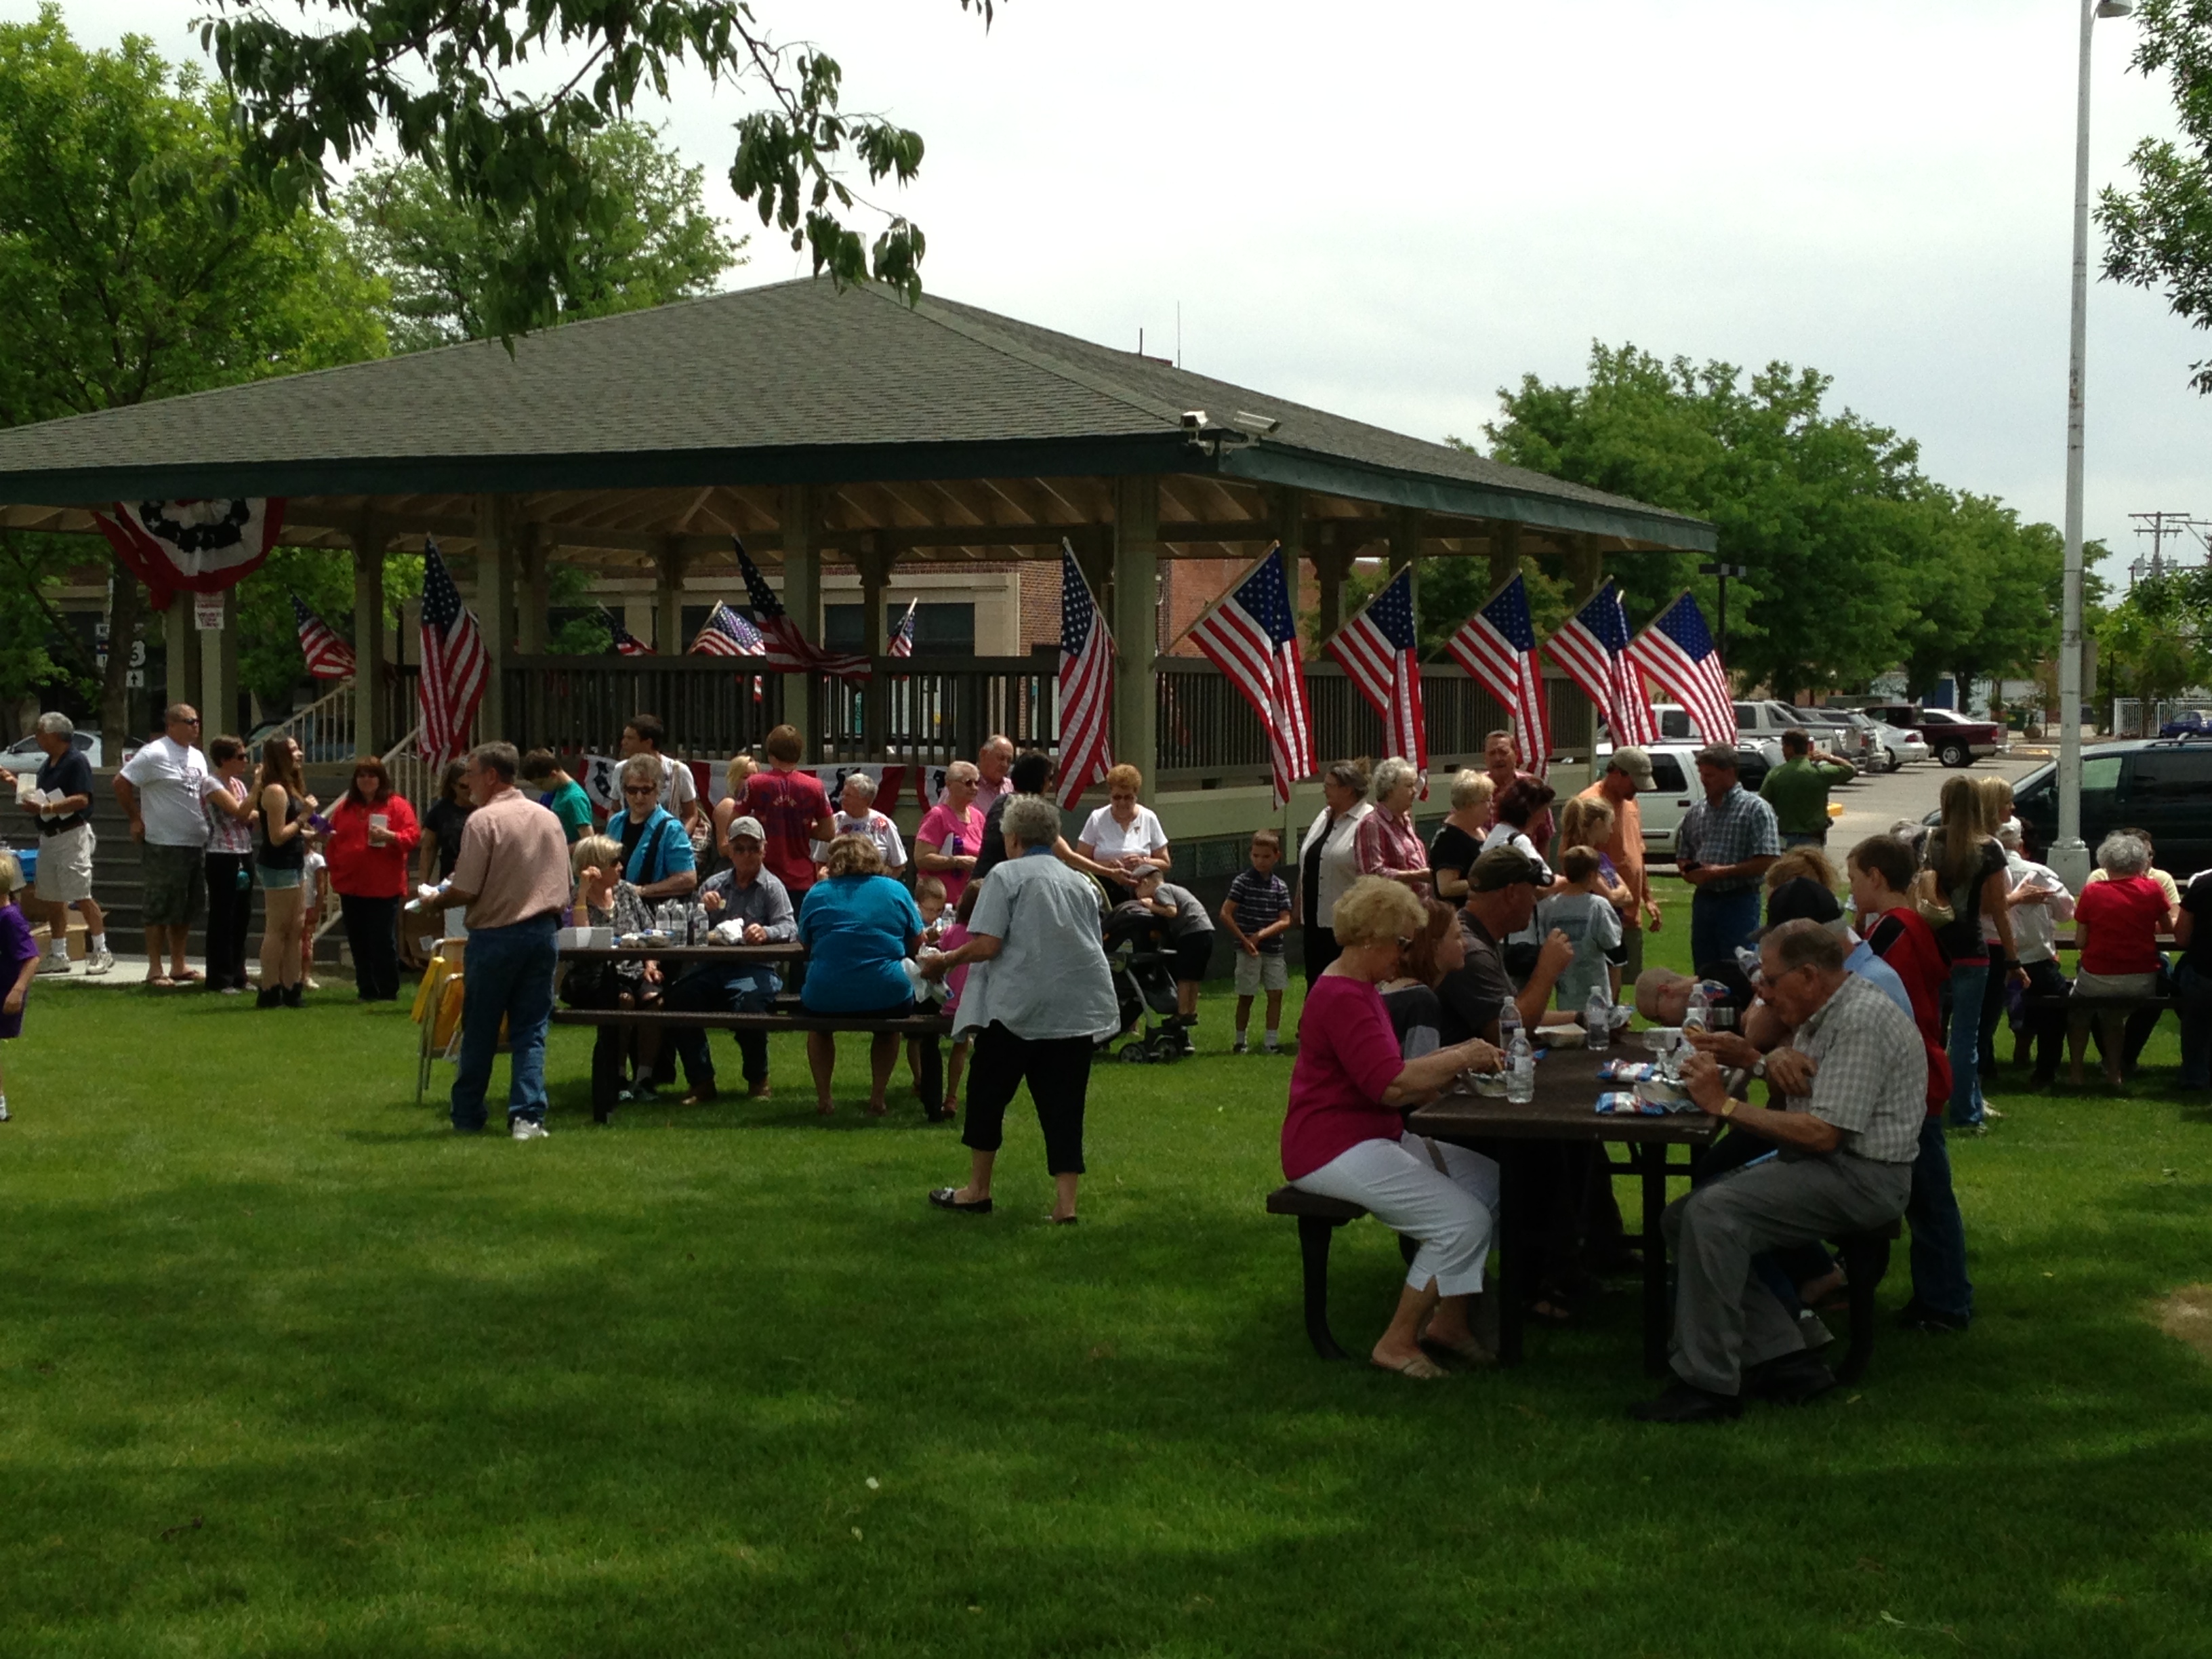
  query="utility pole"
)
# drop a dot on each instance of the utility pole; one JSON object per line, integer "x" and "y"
{"x": 1724, "y": 571}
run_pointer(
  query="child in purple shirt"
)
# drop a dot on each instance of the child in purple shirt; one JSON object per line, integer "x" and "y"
{"x": 18, "y": 959}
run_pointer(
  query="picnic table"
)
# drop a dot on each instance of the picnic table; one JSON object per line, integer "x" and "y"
{"x": 1565, "y": 1109}
{"x": 684, "y": 955}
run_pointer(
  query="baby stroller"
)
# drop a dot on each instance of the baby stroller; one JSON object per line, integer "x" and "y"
{"x": 1144, "y": 979}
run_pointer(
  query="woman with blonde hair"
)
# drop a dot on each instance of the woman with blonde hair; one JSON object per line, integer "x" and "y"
{"x": 1345, "y": 1135}
{"x": 280, "y": 858}
{"x": 1807, "y": 862}
{"x": 732, "y": 807}
{"x": 1966, "y": 875}
{"x": 1458, "y": 840}
{"x": 860, "y": 928}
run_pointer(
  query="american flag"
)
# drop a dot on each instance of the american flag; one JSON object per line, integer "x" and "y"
{"x": 454, "y": 666}
{"x": 1251, "y": 636}
{"x": 1380, "y": 655}
{"x": 726, "y": 634}
{"x": 1677, "y": 651}
{"x": 781, "y": 643}
{"x": 1592, "y": 646}
{"x": 1086, "y": 684}
{"x": 901, "y": 640}
{"x": 1497, "y": 647}
{"x": 626, "y": 644}
{"x": 328, "y": 657}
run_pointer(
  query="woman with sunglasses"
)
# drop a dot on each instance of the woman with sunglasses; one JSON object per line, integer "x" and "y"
{"x": 1345, "y": 1136}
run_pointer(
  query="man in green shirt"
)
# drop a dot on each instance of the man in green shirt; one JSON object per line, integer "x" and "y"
{"x": 563, "y": 795}
{"x": 1797, "y": 789}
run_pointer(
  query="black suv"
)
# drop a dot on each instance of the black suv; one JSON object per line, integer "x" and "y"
{"x": 2163, "y": 785}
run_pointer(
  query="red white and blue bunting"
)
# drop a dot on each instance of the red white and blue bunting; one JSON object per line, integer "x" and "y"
{"x": 198, "y": 546}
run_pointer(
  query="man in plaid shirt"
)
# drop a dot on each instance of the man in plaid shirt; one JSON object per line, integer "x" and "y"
{"x": 1853, "y": 1079}
{"x": 1725, "y": 843}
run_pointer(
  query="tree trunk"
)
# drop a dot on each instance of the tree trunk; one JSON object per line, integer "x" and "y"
{"x": 114, "y": 682}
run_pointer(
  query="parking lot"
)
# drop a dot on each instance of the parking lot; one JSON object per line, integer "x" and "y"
{"x": 1872, "y": 804}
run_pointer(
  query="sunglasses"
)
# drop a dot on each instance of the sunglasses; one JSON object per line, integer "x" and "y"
{"x": 641, "y": 789}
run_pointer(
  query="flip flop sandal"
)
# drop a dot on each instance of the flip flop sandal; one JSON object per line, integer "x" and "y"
{"x": 161, "y": 982}
{"x": 1420, "y": 1368}
{"x": 1469, "y": 1353}
{"x": 189, "y": 976}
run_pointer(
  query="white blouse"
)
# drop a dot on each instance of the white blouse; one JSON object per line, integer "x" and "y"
{"x": 1339, "y": 860}
{"x": 1109, "y": 839}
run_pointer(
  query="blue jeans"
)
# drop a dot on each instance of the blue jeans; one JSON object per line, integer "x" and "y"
{"x": 2192, "y": 1007}
{"x": 1939, "y": 1233}
{"x": 710, "y": 988}
{"x": 508, "y": 974}
{"x": 1719, "y": 922}
{"x": 1968, "y": 981}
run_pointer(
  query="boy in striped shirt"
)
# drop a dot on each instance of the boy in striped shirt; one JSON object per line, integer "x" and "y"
{"x": 1257, "y": 913}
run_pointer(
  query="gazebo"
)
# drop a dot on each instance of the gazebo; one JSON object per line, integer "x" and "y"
{"x": 838, "y": 427}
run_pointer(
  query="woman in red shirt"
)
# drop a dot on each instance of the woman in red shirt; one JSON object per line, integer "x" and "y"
{"x": 2116, "y": 925}
{"x": 1345, "y": 1136}
{"x": 373, "y": 830}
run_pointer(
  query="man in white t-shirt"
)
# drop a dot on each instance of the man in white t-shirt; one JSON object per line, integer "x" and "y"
{"x": 679, "y": 790}
{"x": 162, "y": 787}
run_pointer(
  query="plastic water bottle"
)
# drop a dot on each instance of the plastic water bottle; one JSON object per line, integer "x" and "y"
{"x": 1520, "y": 1068}
{"x": 1698, "y": 1016}
{"x": 1597, "y": 1020}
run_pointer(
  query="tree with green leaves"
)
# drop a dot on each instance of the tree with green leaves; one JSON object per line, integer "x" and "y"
{"x": 647, "y": 239}
{"x": 2160, "y": 232}
{"x": 2154, "y": 643}
{"x": 443, "y": 85}
{"x": 138, "y": 258}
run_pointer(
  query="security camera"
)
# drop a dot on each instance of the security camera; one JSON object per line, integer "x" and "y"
{"x": 1258, "y": 425}
{"x": 1194, "y": 420}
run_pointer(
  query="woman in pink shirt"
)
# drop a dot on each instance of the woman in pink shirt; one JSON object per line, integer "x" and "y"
{"x": 1345, "y": 1136}
{"x": 946, "y": 844}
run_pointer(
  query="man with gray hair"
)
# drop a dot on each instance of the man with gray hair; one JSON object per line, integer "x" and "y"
{"x": 60, "y": 802}
{"x": 1854, "y": 1080}
{"x": 994, "y": 767}
{"x": 163, "y": 787}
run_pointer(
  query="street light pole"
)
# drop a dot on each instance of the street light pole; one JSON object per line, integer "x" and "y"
{"x": 2069, "y": 856}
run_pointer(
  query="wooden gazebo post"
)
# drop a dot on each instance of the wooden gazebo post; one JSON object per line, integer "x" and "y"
{"x": 802, "y": 601}
{"x": 1136, "y": 620}
{"x": 368, "y": 536}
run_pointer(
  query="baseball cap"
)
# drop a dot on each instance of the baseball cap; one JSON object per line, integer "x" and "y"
{"x": 1634, "y": 760}
{"x": 1801, "y": 899}
{"x": 748, "y": 828}
{"x": 1502, "y": 867}
{"x": 1722, "y": 755}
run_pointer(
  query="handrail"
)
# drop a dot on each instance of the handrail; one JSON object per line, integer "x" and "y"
{"x": 325, "y": 729}
{"x": 410, "y": 774}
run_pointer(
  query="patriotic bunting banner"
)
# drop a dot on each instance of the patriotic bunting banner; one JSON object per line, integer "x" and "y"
{"x": 1497, "y": 646}
{"x": 1381, "y": 656}
{"x": 1250, "y": 634}
{"x": 328, "y": 657}
{"x": 199, "y": 546}
{"x": 1592, "y": 646}
{"x": 1086, "y": 684}
{"x": 1677, "y": 651}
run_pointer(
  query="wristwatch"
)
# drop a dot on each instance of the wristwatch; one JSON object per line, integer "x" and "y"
{"x": 1758, "y": 1068}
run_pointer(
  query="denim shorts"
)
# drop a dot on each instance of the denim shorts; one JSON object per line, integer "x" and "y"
{"x": 277, "y": 881}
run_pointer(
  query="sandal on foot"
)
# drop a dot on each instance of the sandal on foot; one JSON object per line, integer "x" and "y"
{"x": 1420, "y": 1368}
{"x": 1467, "y": 1351}
{"x": 943, "y": 1197}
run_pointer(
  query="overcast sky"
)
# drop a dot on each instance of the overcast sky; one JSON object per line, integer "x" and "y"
{"x": 1393, "y": 210}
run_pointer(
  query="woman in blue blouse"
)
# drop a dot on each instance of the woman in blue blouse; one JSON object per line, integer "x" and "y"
{"x": 860, "y": 928}
{"x": 657, "y": 857}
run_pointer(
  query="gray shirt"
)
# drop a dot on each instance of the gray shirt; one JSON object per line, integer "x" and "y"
{"x": 767, "y": 902}
{"x": 1049, "y": 978}
{"x": 1190, "y": 915}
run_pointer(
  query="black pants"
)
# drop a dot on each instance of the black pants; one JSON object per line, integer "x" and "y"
{"x": 2044, "y": 1034}
{"x": 1320, "y": 951}
{"x": 372, "y": 931}
{"x": 711, "y": 989}
{"x": 230, "y": 916}
{"x": 1058, "y": 1071}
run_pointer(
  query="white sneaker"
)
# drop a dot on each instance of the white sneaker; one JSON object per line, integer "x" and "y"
{"x": 100, "y": 963}
{"x": 51, "y": 964}
{"x": 528, "y": 1129}
{"x": 3, "y": 1108}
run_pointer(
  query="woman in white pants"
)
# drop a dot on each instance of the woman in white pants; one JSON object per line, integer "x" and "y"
{"x": 1345, "y": 1134}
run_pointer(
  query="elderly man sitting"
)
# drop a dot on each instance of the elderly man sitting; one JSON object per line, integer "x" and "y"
{"x": 1853, "y": 1079}
{"x": 750, "y": 907}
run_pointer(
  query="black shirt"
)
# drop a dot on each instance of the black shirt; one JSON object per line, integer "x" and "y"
{"x": 2196, "y": 902}
{"x": 1454, "y": 849}
{"x": 1416, "y": 1017}
{"x": 1474, "y": 996}
{"x": 992, "y": 853}
{"x": 69, "y": 775}
{"x": 446, "y": 819}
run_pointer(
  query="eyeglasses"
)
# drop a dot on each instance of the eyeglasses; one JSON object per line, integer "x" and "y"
{"x": 640, "y": 789}
{"x": 185, "y": 719}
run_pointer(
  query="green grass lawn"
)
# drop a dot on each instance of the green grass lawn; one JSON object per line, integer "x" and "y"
{"x": 285, "y": 1368}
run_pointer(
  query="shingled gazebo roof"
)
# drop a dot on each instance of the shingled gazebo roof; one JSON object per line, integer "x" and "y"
{"x": 940, "y": 429}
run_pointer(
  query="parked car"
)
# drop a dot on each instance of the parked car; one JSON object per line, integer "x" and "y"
{"x": 1674, "y": 769}
{"x": 2189, "y": 723}
{"x": 24, "y": 754}
{"x": 1759, "y": 723}
{"x": 1831, "y": 730}
{"x": 2162, "y": 785}
{"x": 1956, "y": 741}
{"x": 1896, "y": 746}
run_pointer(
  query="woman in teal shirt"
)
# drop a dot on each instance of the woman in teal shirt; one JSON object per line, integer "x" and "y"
{"x": 860, "y": 928}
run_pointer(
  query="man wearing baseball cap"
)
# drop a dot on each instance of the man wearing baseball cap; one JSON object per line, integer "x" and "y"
{"x": 1501, "y": 900}
{"x": 750, "y": 906}
{"x": 1628, "y": 774}
{"x": 1725, "y": 845}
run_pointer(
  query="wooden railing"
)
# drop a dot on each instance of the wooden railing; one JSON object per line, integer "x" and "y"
{"x": 579, "y": 705}
{"x": 932, "y": 713}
